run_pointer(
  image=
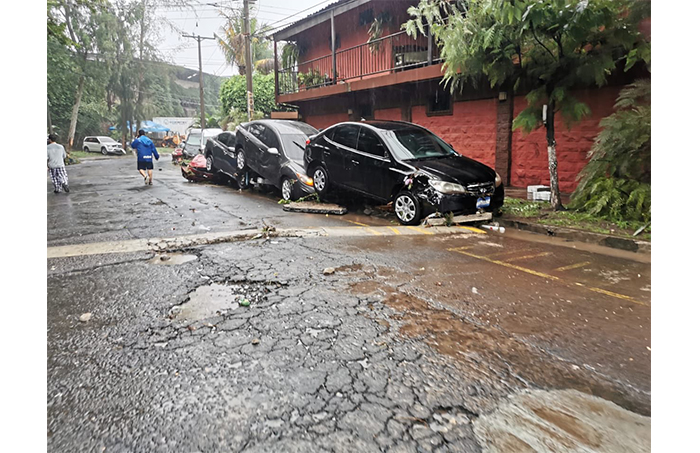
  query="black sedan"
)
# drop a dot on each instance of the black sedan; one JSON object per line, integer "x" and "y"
{"x": 404, "y": 163}
{"x": 265, "y": 151}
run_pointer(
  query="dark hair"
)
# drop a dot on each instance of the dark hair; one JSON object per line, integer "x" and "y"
{"x": 53, "y": 137}
{"x": 141, "y": 132}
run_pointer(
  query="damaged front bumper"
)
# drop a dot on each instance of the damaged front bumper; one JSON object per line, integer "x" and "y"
{"x": 459, "y": 204}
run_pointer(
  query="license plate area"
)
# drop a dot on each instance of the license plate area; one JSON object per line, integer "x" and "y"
{"x": 483, "y": 202}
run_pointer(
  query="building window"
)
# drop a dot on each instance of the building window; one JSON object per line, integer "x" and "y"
{"x": 439, "y": 102}
{"x": 366, "y": 17}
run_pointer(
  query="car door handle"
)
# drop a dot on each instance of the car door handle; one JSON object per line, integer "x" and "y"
{"x": 326, "y": 153}
{"x": 354, "y": 162}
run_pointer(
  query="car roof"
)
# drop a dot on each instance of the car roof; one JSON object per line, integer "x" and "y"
{"x": 386, "y": 125}
{"x": 281, "y": 124}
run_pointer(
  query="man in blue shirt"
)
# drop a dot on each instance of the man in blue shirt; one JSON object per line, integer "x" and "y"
{"x": 145, "y": 151}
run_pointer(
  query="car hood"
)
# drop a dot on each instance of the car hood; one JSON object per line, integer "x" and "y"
{"x": 458, "y": 169}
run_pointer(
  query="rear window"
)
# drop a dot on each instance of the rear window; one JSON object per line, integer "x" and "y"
{"x": 346, "y": 135}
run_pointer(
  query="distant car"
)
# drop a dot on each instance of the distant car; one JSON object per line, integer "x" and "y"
{"x": 104, "y": 145}
{"x": 267, "y": 150}
{"x": 194, "y": 144}
{"x": 404, "y": 163}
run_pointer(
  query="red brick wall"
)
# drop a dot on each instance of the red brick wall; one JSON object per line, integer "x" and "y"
{"x": 471, "y": 129}
{"x": 323, "y": 121}
{"x": 388, "y": 114}
{"x": 529, "y": 163}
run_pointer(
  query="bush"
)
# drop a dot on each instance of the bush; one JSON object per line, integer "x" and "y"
{"x": 616, "y": 183}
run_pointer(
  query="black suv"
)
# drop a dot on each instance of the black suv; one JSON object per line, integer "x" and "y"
{"x": 271, "y": 151}
{"x": 404, "y": 163}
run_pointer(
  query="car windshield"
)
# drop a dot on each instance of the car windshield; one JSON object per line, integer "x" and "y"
{"x": 294, "y": 146}
{"x": 414, "y": 143}
{"x": 194, "y": 139}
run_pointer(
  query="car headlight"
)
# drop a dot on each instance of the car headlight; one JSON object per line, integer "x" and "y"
{"x": 446, "y": 187}
{"x": 498, "y": 181}
{"x": 305, "y": 179}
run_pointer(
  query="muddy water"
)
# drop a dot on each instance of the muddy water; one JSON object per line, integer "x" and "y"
{"x": 172, "y": 259}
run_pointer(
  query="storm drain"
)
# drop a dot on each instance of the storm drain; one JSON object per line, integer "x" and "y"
{"x": 217, "y": 299}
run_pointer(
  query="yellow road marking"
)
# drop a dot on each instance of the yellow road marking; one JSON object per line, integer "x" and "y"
{"x": 420, "y": 230}
{"x": 509, "y": 252}
{"x": 357, "y": 223}
{"x": 374, "y": 232}
{"x": 527, "y": 257}
{"x": 619, "y": 296}
{"x": 572, "y": 266}
{"x": 551, "y": 277}
{"x": 472, "y": 229}
{"x": 394, "y": 230}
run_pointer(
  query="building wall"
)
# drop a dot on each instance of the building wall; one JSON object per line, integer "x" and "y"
{"x": 323, "y": 121}
{"x": 529, "y": 161}
{"x": 388, "y": 114}
{"x": 470, "y": 129}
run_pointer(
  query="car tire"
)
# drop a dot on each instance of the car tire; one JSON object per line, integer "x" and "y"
{"x": 210, "y": 164}
{"x": 241, "y": 161}
{"x": 290, "y": 191}
{"x": 104, "y": 151}
{"x": 407, "y": 208}
{"x": 321, "y": 181}
{"x": 86, "y": 149}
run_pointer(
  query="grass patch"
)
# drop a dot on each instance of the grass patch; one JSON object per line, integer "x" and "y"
{"x": 82, "y": 154}
{"x": 542, "y": 213}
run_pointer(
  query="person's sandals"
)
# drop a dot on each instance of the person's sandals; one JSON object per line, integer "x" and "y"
{"x": 66, "y": 188}
{"x": 145, "y": 180}
{"x": 150, "y": 182}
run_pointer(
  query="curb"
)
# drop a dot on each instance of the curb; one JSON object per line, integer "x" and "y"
{"x": 605, "y": 240}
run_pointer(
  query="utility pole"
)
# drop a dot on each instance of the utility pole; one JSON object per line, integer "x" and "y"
{"x": 248, "y": 59}
{"x": 202, "y": 123}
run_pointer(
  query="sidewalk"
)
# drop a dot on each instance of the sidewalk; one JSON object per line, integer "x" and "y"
{"x": 606, "y": 240}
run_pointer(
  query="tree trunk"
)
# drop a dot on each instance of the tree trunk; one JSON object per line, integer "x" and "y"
{"x": 74, "y": 114}
{"x": 552, "y": 155}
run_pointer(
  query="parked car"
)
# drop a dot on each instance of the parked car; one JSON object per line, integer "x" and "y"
{"x": 267, "y": 150}
{"x": 104, "y": 145}
{"x": 404, "y": 163}
{"x": 195, "y": 144}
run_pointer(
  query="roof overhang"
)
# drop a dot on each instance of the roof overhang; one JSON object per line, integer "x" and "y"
{"x": 315, "y": 19}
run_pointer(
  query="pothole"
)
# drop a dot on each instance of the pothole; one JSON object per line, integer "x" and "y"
{"x": 218, "y": 299}
{"x": 172, "y": 259}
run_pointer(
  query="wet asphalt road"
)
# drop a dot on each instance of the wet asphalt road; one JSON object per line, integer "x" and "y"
{"x": 405, "y": 347}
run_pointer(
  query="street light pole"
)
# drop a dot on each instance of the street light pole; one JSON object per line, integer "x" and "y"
{"x": 201, "y": 85}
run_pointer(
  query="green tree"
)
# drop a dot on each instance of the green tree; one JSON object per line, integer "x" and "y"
{"x": 616, "y": 182}
{"x": 232, "y": 44}
{"x": 233, "y": 94}
{"x": 548, "y": 49}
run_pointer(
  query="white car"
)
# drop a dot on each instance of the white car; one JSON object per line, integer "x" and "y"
{"x": 195, "y": 144}
{"x": 104, "y": 145}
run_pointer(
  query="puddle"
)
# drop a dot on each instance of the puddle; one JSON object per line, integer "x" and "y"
{"x": 216, "y": 299}
{"x": 172, "y": 259}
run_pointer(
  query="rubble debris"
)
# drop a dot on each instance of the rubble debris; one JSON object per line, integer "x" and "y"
{"x": 497, "y": 228}
{"x": 329, "y": 271}
{"x": 85, "y": 317}
{"x": 315, "y": 208}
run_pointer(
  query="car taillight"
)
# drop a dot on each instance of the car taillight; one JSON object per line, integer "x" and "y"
{"x": 308, "y": 141}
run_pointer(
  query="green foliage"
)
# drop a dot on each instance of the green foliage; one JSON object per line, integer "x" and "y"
{"x": 616, "y": 182}
{"x": 233, "y": 94}
{"x": 290, "y": 55}
{"x": 233, "y": 44}
{"x": 313, "y": 78}
{"x": 521, "y": 208}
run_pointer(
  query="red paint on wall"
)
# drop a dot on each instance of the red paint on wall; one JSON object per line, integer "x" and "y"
{"x": 323, "y": 121}
{"x": 388, "y": 114}
{"x": 471, "y": 129}
{"x": 529, "y": 161}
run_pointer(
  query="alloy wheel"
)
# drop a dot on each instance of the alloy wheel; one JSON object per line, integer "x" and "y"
{"x": 405, "y": 208}
{"x": 240, "y": 160}
{"x": 287, "y": 186}
{"x": 319, "y": 179}
{"x": 210, "y": 164}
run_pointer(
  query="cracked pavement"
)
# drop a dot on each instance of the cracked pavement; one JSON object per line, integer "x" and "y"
{"x": 375, "y": 356}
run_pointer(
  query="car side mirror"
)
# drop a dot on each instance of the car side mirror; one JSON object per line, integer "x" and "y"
{"x": 273, "y": 151}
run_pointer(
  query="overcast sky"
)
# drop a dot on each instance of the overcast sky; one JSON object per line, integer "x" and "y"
{"x": 204, "y": 20}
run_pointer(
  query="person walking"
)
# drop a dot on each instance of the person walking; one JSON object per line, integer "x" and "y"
{"x": 145, "y": 151}
{"x": 57, "y": 167}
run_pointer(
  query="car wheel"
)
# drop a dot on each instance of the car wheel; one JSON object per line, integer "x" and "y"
{"x": 104, "y": 151}
{"x": 86, "y": 149}
{"x": 407, "y": 208}
{"x": 321, "y": 181}
{"x": 210, "y": 164}
{"x": 289, "y": 190}
{"x": 241, "y": 161}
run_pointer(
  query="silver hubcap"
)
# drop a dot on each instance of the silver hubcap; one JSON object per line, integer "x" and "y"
{"x": 287, "y": 189}
{"x": 240, "y": 160}
{"x": 209, "y": 165}
{"x": 319, "y": 180}
{"x": 405, "y": 208}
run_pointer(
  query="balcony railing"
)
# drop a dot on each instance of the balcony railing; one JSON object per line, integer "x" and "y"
{"x": 392, "y": 53}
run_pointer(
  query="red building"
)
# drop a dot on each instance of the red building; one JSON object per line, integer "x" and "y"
{"x": 339, "y": 76}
